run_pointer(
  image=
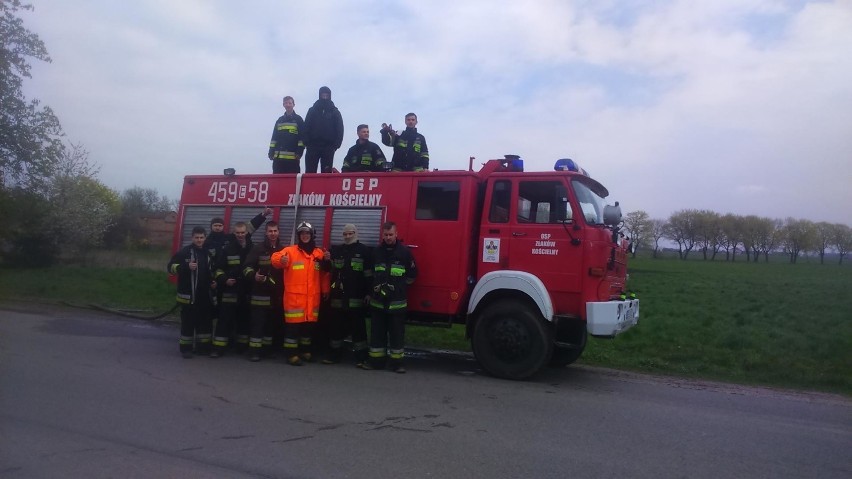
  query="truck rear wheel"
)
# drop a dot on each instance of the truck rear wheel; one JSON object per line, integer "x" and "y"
{"x": 511, "y": 340}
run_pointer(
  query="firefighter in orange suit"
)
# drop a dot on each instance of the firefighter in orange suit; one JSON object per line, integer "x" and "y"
{"x": 306, "y": 281}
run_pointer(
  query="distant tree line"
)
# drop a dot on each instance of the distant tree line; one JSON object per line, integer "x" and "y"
{"x": 711, "y": 234}
{"x": 51, "y": 201}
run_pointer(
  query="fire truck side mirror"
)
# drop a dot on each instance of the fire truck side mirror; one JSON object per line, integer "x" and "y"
{"x": 612, "y": 215}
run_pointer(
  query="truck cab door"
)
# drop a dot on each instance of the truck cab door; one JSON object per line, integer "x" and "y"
{"x": 536, "y": 236}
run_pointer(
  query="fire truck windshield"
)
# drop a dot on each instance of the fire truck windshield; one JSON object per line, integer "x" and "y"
{"x": 591, "y": 203}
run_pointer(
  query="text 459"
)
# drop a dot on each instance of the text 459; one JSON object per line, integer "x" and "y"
{"x": 231, "y": 191}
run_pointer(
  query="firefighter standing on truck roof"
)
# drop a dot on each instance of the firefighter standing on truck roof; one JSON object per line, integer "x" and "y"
{"x": 193, "y": 265}
{"x": 410, "y": 152}
{"x": 306, "y": 280}
{"x": 266, "y": 294}
{"x": 286, "y": 146}
{"x": 364, "y": 155}
{"x": 393, "y": 271}
{"x": 234, "y": 305}
{"x": 323, "y": 133}
{"x": 351, "y": 270}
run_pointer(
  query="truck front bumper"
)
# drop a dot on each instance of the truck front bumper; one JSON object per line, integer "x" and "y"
{"x": 607, "y": 319}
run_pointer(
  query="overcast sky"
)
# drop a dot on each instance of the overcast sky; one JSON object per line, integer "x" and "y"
{"x": 736, "y": 106}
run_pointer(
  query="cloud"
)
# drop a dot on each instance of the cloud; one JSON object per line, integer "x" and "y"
{"x": 750, "y": 189}
{"x": 672, "y": 104}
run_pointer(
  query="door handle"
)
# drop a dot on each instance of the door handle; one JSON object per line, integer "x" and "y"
{"x": 518, "y": 233}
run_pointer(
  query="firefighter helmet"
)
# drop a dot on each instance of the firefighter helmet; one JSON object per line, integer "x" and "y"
{"x": 305, "y": 226}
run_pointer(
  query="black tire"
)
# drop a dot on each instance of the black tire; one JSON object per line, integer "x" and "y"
{"x": 571, "y": 335}
{"x": 563, "y": 356}
{"x": 511, "y": 340}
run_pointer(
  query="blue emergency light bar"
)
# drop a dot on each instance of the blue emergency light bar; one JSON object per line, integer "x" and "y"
{"x": 514, "y": 162}
{"x": 567, "y": 164}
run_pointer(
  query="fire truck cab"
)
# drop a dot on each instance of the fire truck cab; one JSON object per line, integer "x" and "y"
{"x": 531, "y": 262}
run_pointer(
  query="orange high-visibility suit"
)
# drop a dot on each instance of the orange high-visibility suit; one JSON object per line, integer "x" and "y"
{"x": 304, "y": 283}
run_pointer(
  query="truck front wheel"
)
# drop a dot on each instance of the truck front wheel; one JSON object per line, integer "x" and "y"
{"x": 511, "y": 340}
{"x": 570, "y": 342}
{"x": 563, "y": 356}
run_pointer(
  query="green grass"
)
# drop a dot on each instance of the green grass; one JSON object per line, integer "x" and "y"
{"x": 775, "y": 324}
{"x": 437, "y": 337}
{"x": 771, "y": 324}
{"x": 124, "y": 288}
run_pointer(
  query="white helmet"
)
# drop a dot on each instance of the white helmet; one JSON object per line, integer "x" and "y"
{"x": 305, "y": 226}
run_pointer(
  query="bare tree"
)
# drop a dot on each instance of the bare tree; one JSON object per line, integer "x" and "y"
{"x": 824, "y": 236}
{"x": 798, "y": 236}
{"x": 657, "y": 231}
{"x": 75, "y": 162}
{"x": 145, "y": 201}
{"x": 731, "y": 226}
{"x": 768, "y": 237}
{"x": 841, "y": 240}
{"x": 750, "y": 236}
{"x": 709, "y": 232}
{"x": 682, "y": 228}
{"x": 638, "y": 226}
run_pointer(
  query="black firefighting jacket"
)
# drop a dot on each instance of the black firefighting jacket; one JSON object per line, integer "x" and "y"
{"x": 286, "y": 142}
{"x": 192, "y": 286}
{"x": 393, "y": 271}
{"x": 351, "y": 274}
{"x": 366, "y": 156}
{"x": 258, "y": 261}
{"x": 229, "y": 262}
{"x": 410, "y": 152}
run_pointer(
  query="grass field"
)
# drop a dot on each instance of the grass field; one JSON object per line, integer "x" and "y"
{"x": 776, "y": 323}
{"x": 772, "y": 324}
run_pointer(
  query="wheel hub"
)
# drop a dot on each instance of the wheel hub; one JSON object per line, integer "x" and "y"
{"x": 509, "y": 339}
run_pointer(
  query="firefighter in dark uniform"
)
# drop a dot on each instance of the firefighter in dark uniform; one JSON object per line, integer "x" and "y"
{"x": 286, "y": 146}
{"x": 323, "y": 133}
{"x": 266, "y": 293}
{"x": 217, "y": 237}
{"x": 232, "y": 297}
{"x": 410, "y": 152}
{"x": 393, "y": 271}
{"x": 364, "y": 155}
{"x": 213, "y": 244}
{"x": 351, "y": 271}
{"x": 193, "y": 265}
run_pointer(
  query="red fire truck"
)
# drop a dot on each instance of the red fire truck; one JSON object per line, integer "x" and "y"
{"x": 531, "y": 262}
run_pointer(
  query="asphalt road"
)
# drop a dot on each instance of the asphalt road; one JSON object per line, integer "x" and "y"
{"x": 89, "y": 395}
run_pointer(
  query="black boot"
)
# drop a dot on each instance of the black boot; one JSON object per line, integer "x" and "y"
{"x": 254, "y": 354}
{"x": 360, "y": 358}
{"x": 396, "y": 366}
{"x": 333, "y": 356}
